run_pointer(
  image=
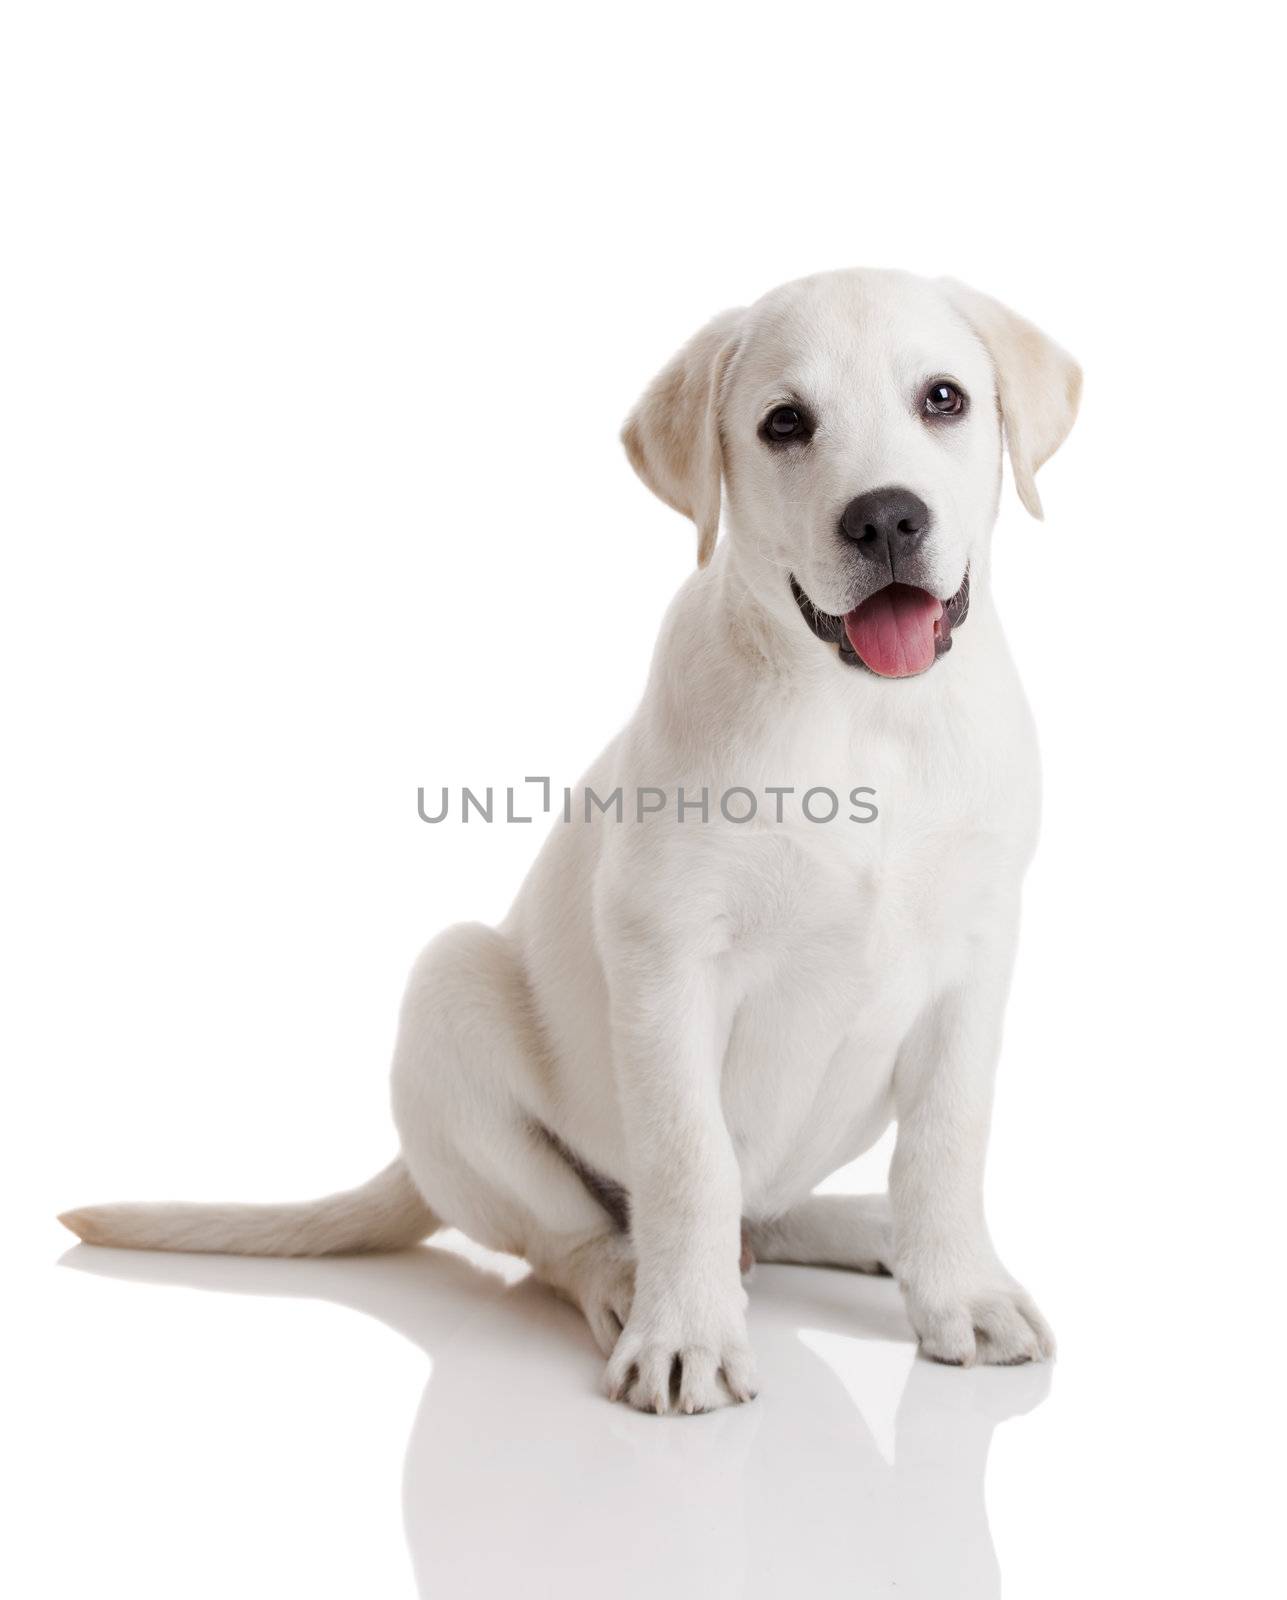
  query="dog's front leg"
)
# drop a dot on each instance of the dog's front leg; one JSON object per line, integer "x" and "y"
{"x": 684, "y": 1347}
{"x": 963, "y": 1304}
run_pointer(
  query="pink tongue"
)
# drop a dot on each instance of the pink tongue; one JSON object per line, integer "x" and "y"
{"x": 893, "y": 631}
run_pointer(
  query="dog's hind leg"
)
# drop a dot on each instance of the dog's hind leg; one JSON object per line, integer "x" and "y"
{"x": 597, "y": 1276}
{"x": 471, "y": 1097}
{"x": 829, "y": 1230}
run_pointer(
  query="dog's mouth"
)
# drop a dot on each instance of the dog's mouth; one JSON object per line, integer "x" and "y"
{"x": 896, "y": 633}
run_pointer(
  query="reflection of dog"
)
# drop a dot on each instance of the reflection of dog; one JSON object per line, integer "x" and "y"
{"x": 683, "y": 1025}
{"x": 888, "y": 1497}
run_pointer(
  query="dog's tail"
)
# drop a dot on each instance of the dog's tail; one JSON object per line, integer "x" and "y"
{"x": 387, "y": 1213}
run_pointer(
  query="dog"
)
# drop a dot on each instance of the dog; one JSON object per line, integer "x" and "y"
{"x": 692, "y": 1016}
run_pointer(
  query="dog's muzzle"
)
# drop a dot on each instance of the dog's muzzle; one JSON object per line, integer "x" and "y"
{"x": 897, "y": 632}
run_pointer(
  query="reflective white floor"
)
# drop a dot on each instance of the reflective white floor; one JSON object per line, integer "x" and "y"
{"x": 515, "y": 1467}
{"x": 256, "y": 1433}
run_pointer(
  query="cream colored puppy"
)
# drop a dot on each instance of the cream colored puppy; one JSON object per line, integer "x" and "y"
{"x": 686, "y": 1022}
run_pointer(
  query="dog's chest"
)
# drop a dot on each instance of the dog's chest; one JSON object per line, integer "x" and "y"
{"x": 839, "y": 936}
{"x": 870, "y": 909}
{"x": 898, "y": 891}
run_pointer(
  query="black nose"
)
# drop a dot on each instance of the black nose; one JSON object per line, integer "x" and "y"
{"x": 886, "y": 524}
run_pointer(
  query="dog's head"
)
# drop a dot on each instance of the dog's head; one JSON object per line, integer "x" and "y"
{"x": 854, "y": 421}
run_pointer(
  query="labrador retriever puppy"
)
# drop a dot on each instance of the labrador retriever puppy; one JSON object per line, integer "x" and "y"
{"x": 693, "y": 1014}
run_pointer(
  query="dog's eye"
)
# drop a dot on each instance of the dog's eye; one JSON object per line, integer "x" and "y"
{"x": 784, "y": 423}
{"x": 944, "y": 399}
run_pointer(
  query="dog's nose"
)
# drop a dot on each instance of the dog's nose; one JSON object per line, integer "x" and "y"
{"x": 886, "y": 524}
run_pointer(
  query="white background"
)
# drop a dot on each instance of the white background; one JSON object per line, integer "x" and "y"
{"x": 319, "y": 323}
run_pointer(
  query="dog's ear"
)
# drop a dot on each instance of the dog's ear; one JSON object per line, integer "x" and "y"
{"x": 1038, "y": 384}
{"x": 673, "y": 434}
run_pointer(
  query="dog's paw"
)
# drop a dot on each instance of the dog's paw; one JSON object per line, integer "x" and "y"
{"x": 995, "y": 1323}
{"x": 678, "y": 1360}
